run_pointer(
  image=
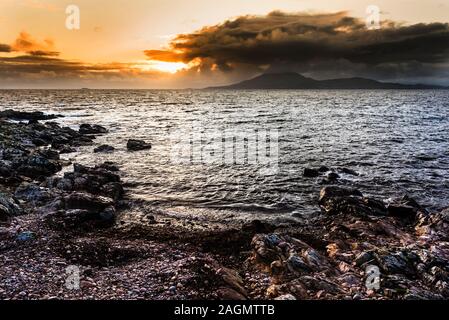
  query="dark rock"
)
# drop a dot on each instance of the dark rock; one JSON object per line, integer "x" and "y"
{"x": 32, "y": 116}
{"x": 272, "y": 240}
{"x": 257, "y": 226}
{"x": 317, "y": 283}
{"x": 311, "y": 173}
{"x": 92, "y": 129}
{"x": 396, "y": 263}
{"x": 364, "y": 258}
{"x": 338, "y": 200}
{"x": 348, "y": 171}
{"x": 333, "y": 191}
{"x": 108, "y": 214}
{"x": 297, "y": 264}
{"x": 104, "y": 148}
{"x": 332, "y": 176}
{"x": 37, "y": 166}
{"x": 86, "y": 201}
{"x": 262, "y": 250}
{"x": 323, "y": 169}
{"x": 400, "y": 210}
{"x": 406, "y": 207}
{"x": 65, "y": 149}
{"x": 50, "y": 154}
{"x": 33, "y": 193}
{"x": 9, "y": 207}
{"x": 136, "y": 145}
{"x": 107, "y": 165}
{"x": 80, "y": 218}
{"x": 113, "y": 190}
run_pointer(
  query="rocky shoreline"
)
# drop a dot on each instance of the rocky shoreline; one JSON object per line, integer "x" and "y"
{"x": 51, "y": 222}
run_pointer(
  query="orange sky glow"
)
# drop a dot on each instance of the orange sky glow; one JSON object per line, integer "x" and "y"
{"x": 157, "y": 43}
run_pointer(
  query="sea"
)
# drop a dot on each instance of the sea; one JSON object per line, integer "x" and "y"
{"x": 224, "y": 154}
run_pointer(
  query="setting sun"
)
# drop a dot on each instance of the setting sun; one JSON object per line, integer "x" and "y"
{"x": 169, "y": 67}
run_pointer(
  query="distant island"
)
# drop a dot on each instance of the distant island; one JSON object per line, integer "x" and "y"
{"x": 292, "y": 80}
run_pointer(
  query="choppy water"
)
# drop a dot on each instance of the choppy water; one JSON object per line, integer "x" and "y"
{"x": 396, "y": 140}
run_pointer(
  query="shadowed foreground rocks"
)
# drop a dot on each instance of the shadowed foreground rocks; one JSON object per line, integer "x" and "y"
{"x": 329, "y": 258}
{"x": 51, "y": 221}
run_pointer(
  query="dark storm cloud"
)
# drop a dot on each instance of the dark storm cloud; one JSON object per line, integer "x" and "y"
{"x": 305, "y": 41}
{"x": 43, "y": 53}
{"x": 39, "y": 66}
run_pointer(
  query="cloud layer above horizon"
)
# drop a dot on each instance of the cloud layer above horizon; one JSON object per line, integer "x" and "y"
{"x": 318, "y": 45}
{"x": 324, "y": 44}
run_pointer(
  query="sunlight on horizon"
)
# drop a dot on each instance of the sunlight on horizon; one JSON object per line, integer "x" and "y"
{"x": 163, "y": 66}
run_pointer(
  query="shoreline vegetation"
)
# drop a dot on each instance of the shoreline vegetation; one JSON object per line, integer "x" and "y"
{"x": 51, "y": 221}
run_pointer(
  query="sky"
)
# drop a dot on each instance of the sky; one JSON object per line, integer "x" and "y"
{"x": 200, "y": 43}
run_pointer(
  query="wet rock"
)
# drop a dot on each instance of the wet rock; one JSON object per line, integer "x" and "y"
{"x": 348, "y": 171}
{"x": 338, "y": 200}
{"x": 317, "y": 283}
{"x": 32, "y": 116}
{"x": 323, "y": 169}
{"x": 232, "y": 279}
{"x": 272, "y": 240}
{"x": 104, "y": 148}
{"x": 257, "y": 226}
{"x": 87, "y": 201}
{"x": 263, "y": 250}
{"x": 311, "y": 173}
{"x": 113, "y": 190}
{"x": 108, "y": 214}
{"x": 396, "y": 263}
{"x": 297, "y": 265}
{"x": 136, "y": 145}
{"x": 405, "y": 207}
{"x": 108, "y": 165}
{"x": 400, "y": 210}
{"x": 277, "y": 267}
{"x": 64, "y": 149}
{"x": 314, "y": 259}
{"x": 364, "y": 258}
{"x": 38, "y": 166}
{"x": 79, "y": 219}
{"x": 92, "y": 129}
{"x": 332, "y": 176}
{"x": 327, "y": 193}
{"x": 9, "y": 207}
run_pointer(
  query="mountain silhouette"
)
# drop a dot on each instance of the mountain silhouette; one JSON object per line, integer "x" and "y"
{"x": 292, "y": 80}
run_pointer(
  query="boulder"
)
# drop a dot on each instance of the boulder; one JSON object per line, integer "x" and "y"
{"x": 32, "y": 116}
{"x": 310, "y": 173}
{"x": 339, "y": 200}
{"x": 9, "y": 207}
{"x": 33, "y": 194}
{"x": 92, "y": 129}
{"x": 104, "y": 148}
{"x": 37, "y": 166}
{"x": 136, "y": 145}
{"x": 87, "y": 201}
{"x": 406, "y": 207}
{"x": 348, "y": 171}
